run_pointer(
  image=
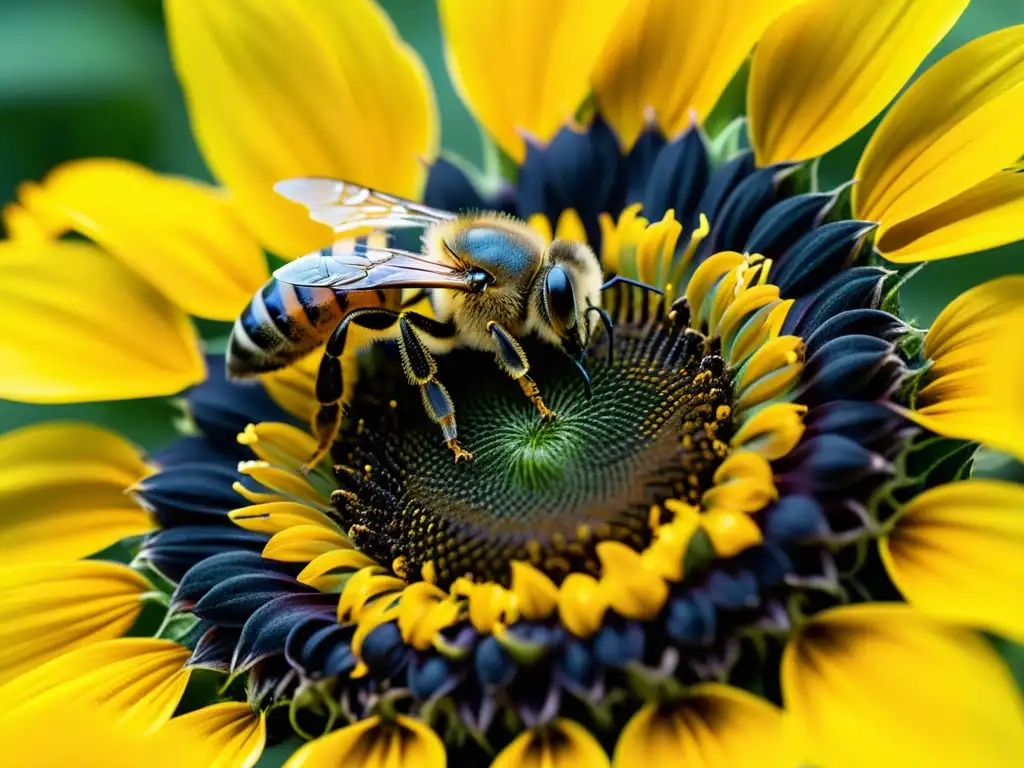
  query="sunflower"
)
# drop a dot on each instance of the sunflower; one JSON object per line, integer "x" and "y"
{"x": 756, "y": 541}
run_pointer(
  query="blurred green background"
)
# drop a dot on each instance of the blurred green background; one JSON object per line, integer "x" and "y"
{"x": 86, "y": 78}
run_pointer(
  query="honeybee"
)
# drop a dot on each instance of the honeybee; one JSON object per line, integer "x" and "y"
{"x": 490, "y": 280}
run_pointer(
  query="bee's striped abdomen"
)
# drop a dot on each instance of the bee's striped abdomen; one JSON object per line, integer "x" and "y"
{"x": 282, "y": 323}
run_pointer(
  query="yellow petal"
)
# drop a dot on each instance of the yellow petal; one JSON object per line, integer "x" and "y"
{"x": 182, "y": 237}
{"x": 744, "y": 482}
{"x": 345, "y": 559}
{"x": 823, "y": 71}
{"x": 706, "y": 277}
{"x": 230, "y": 734}
{"x": 631, "y": 590}
{"x": 276, "y": 516}
{"x": 294, "y": 387}
{"x": 19, "y": 224}
{"x": 674, "y": 59}
{"x": 89, "y": 738}
{"x": 953, "y": 128}
{"x": 570, "y": 226}
{"x": 63, "y": 492}
{"x": 361, "y": 588}
{"x": 374, "y": 743}
{"x": 278, "y": 443}
{"x": 49, "y": 609}
{"x": 290, "y": 485}
{"x": 977, "y": 365}
{"x": 294, "y": 88}
{"x": 423, "y": 610}
{"x": 730, "y": 531}
{"x": 886, "y": 686}
{"x": 958, "y": 552}
{"x": 717, "y": 726}
{"x": 535, "y": 593}
{"x": 667, "y": 552}
{"x": 773, "y": 431}
{"x": 491, "y": 606}
{"x": 135, "y": 681}
{"x": 770, "y": 372}
{"x": 525, "y": 65}
{"x": 987, "y": 215}
{"x": 581, "y": 604}
{"x": 79, "y": 326}
{"x": 302, "y": 543}
{"x": 563, "y": 744}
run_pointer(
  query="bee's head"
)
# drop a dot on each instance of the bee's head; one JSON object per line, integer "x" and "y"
{"x": 570, "y": 284}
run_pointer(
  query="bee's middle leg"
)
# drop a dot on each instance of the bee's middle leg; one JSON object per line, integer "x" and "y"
{"x": 421, "y": 369}
{"x": 512, "y": 360}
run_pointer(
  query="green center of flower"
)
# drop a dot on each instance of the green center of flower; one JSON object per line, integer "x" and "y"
{"x": 544, "y": 491}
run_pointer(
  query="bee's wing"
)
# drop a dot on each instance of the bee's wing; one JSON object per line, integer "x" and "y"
{"x": 351, "y": 266}
{"x": 344, "y": 206}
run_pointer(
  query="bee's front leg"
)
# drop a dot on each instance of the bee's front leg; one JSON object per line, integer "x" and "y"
{"x": 512, "y": 360}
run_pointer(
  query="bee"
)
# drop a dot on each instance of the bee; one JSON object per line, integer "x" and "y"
{"x": 490, "y": 280}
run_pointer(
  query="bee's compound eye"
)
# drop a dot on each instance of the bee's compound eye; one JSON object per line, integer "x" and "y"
{"x": 560, "y": 299}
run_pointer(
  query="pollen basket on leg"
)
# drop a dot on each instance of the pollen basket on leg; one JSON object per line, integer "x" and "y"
{"x": 545, "y": 491}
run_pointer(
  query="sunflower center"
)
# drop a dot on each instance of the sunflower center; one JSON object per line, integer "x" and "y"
{"x": 545, "y": 491}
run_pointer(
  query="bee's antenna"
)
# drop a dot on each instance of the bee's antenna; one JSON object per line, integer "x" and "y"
{"x": 630, "y": 281}
{"x": 609, "y": 326}
{"x": 586, "y": 377}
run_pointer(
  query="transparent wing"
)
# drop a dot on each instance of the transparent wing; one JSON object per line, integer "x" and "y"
{"x": 351, "y": 266}
{"x": 345, "y": 207}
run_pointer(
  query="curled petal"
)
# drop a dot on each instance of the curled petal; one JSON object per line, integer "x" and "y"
{"x": 525, "y": 65}
{"x": 716, "y": 727}
{"x": 63, "y": 492}
{"x": 80, "y": 327}
{"x": 182, "y": 237}
{"x": 135, "y": 681}
{"x": 323, "y": 89}
{"x": 374, "y": 743}
{"x": 956, "y": 552}
{"x": 952, "y": 129}
{"x": 646, "y": 66}
{"x": 823, "y": 71}
{"x": 562, "y": 744}
{"x": 856, "y": 678}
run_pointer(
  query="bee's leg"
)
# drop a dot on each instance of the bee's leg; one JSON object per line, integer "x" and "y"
{"x": 512, "y": 360}
{"x": 329, "y": 384}
{"x": 421, "y": 369}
